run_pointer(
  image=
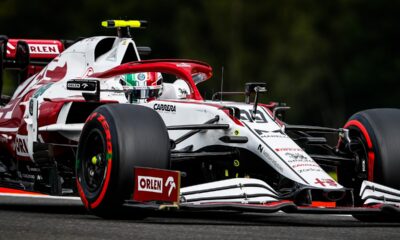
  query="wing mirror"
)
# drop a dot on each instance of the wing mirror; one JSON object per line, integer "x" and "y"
{"x": 279, "y": 111}
{"x": 254, "y": 87}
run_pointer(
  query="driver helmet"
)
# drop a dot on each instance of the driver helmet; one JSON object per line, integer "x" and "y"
{"x": 144, "y": 85}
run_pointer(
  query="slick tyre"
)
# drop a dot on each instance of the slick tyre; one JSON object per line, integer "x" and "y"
{"x": 379, "y": 131}
{"x": 115, "y": 139}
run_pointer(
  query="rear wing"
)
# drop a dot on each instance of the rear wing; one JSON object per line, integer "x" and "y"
{"x": 19, "y": 54}
{"x": 40, "y": 51}
{"x": 27, "y": 56}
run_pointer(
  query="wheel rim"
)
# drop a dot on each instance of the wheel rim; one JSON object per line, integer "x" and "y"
{"x": 94, "y": 164}
{"x": 361, "y": 154}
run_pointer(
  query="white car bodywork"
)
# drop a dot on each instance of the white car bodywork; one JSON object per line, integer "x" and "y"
{"x": 266, "y": 137}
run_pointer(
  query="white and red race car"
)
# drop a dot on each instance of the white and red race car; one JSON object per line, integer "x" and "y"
{"x": 95, "y": 120}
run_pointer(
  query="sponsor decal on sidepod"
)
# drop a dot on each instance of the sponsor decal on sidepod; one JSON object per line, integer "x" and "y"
{"x": 164, "y": 107}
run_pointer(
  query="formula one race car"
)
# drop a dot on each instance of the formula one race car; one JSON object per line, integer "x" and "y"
{"x": 93, "y": 119}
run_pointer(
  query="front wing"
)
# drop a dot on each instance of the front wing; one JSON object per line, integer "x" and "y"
{"x": 253, "y": 195}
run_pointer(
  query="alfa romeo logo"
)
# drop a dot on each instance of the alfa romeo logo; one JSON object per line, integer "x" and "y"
{"x": 141, "y": 76}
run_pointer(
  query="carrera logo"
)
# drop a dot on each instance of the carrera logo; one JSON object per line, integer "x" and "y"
{"x": 164, "y": 107}
{"x": 43, "y": 49}
{"x": 150, "y": 184}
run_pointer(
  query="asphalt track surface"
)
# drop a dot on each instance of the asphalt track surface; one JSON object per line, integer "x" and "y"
{"x": 37, "y": 218}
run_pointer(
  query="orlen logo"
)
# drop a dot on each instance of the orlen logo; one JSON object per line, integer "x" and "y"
{"x": 150, "y": 184}
{"x": 43, "y": 49}
{"x": 153, "y": 184}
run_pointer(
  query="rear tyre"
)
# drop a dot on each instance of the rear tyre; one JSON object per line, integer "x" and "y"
{"x": 115, "y": 139}
{"x": 379, "y": 131}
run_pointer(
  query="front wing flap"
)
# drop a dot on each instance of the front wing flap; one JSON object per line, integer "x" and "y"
{"x": 373, "y": 193}
{"x": 389, "y": 211}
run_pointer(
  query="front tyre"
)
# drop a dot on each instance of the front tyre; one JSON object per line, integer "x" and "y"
{"x": 379, "y": 132}
{"x": 115, "y": 139}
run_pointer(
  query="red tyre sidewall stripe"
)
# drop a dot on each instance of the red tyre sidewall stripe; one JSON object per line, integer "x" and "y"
{"x": 82, "y": 194}
{"x": 371, "y": 162}
{"x": 104, "y": 190}
{"x": 104, "y": 123}
{"x": 371, "y": 154}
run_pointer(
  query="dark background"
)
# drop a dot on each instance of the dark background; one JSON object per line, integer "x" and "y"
{"x": 325, "y": 59}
